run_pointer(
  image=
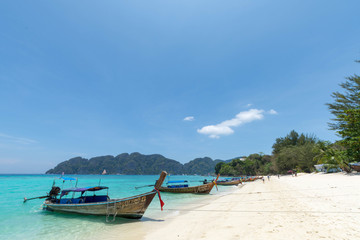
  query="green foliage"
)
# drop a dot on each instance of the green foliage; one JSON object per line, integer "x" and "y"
{"x": 295, "y": 152}
{"x": 296, "y": 157}
{"x": 286, "y": 159}
{"x": 218, "y": 167}
{"x": 332, "y": 154}
{"x": 346, "y": 109}
{"x": 350, "y": 132}
{"x": 292, "y": 139}
{"x": 227, "y": 170}
{"x": 254, "y": 164}
{"x": 306, "y": 156}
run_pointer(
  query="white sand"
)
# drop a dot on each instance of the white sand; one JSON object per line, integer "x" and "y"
{"x": 309, "y": 206}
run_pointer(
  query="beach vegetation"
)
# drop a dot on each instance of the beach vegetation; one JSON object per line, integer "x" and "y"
{"x": 332, "y": 154}
{"x": 254, "y": 164}
{"x": 346, "y": 121}
{"x": 294, "y": 151}
{"x": 218, "y": 167}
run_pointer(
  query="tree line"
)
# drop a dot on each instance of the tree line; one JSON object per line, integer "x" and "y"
{"x": 300, "y": 152}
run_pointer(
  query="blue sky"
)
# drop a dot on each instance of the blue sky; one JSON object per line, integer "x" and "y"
{"x": 184, "y": 79}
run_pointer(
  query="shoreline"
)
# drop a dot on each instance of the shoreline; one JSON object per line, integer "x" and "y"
{"x": 309, "y": 206}
{"x": 157, "y": 219}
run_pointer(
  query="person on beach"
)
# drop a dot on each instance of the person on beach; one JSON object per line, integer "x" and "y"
{"x": 278, "y": 175}
{"x": 263, "y": 179}
{"x": 269, "y": 177}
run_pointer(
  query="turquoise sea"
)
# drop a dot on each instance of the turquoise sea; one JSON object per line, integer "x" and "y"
{"x": 28, "y": 220}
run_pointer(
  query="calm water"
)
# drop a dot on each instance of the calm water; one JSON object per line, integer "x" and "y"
{"x": 20, "y": 220}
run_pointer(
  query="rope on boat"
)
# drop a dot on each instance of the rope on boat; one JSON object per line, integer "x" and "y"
{"x": 114, "y": 213}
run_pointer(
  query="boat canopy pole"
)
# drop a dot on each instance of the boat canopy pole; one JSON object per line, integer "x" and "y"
{"x": 75, "y": 187}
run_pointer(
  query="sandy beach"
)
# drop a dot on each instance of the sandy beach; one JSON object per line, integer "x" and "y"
{"x": 309, "y": 206}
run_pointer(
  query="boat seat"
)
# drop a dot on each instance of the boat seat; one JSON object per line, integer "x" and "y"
{"x": 178, "y": 186}
{"x": 91, "y": 199}
{"x": 87, "y": 199}
{"x": 71, "y": 200}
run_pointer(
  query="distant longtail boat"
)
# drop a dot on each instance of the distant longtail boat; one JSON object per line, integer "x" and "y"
{"x": 183, "y": 187}
{"x": 355, "y": 166}
{"x": 231, "y": 182}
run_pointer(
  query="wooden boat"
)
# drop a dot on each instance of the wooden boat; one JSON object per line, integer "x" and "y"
{"x": 249, "y": 179}
{"x": 230, "y": 182}
{"x": 184, "y": 188}
{"x": 130, "y": 207}
{"x": 355, "y": 166}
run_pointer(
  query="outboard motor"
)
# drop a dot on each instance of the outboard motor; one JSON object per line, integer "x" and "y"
{"x": 54, "y": 192}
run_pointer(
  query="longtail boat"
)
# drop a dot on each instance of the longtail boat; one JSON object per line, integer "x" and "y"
{"x": 355, "y": 166}
{"x": 130, "y": 207}
{"x": 231, "y": 182}
{"x": 249, "y": 178}
{"x": 184, "y": 187}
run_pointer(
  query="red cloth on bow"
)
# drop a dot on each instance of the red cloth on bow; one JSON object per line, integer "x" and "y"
{"x": 161, "y": 201}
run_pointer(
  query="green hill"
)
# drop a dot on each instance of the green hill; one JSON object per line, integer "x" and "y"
{"x": 134, "y": 164}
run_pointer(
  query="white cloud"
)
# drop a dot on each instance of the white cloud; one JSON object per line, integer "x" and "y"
{"x": 249, "y": 105}
{"x": 225, "y": 127}
{"x": 272, "y": 112}
{"x": 189, "y": 118}
{"x": 215, "y": 130}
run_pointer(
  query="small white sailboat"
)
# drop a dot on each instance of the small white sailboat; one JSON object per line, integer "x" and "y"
{"x": 104, "y": 172}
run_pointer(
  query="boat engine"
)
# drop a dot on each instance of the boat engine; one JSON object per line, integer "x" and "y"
{"x": 54, "y": 192}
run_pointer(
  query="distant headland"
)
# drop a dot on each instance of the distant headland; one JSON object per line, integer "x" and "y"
{"x": 134, "y": 164}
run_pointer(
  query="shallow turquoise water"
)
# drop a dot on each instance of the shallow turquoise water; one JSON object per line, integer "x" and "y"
{"x": 20, "y": 220}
